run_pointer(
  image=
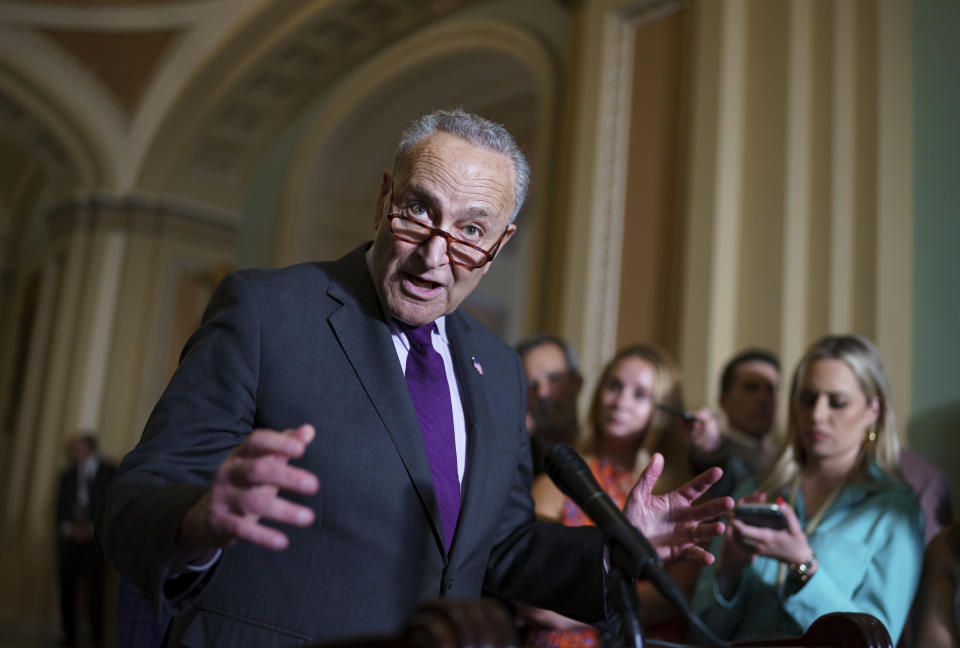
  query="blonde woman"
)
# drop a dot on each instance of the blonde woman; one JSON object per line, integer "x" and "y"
{"x": 625, "y": 430}
{"x": 853, "y": 540}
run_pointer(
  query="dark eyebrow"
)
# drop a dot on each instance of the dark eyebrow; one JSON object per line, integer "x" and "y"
{"x": 413, "y": 192}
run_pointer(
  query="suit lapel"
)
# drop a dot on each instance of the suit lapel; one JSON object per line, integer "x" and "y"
{"x": 365, "y": 337}
{"x": 467, "y": 360}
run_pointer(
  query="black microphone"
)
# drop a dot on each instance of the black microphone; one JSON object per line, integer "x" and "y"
{"x": 630, "y": 551}
{"x": 629, "y": 548}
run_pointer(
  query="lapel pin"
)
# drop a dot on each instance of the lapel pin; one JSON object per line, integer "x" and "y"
{"x": 477, "y": 365}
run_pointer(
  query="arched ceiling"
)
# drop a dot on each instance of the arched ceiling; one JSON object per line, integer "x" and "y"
{"x": 184, "y": 98}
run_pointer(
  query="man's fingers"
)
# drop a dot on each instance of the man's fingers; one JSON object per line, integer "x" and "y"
{"x": 706, "y": 531}
{"x": 710, "y": 510}
{"x": 247, "y": 529}
{"x": 649, "y": 477}
{"x": 700, "y": 484}
{"x": 288, "y": 444}
{"x": 304, "y": 433}
{"x": 270, "y": 470}
{"x": 264, "y": 502}
{"x": 695, "y": 554}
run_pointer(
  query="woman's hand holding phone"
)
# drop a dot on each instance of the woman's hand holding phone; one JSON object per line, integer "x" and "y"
{"x": 788, "y": 544}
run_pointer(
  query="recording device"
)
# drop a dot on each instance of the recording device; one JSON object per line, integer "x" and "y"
{"x": 680, "y": 414}
{"x": 630, "y": 552}
{"x": 573, "y": 476}
{"x": 761, "y": 515}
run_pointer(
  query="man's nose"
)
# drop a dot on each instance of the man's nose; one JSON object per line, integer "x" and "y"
{"x": 434, "y": 251}
{"x": 543, "y": 388}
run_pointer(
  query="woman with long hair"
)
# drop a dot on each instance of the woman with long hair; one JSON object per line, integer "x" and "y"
{"x": 853, "y": 540}
{"x": 625, "y": 430}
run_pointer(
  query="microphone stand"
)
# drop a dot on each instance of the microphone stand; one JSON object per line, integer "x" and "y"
{"x": 626, "y": 601}
{"x": 631, "y": 554}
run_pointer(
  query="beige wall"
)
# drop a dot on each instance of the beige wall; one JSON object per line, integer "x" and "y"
{"x": 123, "y": 285}
{"x": 724, "y": 173}
{"x": 793, "y": 213}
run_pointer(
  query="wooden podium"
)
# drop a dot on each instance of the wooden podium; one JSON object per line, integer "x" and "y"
{"x": 839, "y": 629}
{"x": 484, "y": 623}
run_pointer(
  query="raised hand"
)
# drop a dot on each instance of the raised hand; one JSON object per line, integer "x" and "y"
{"x": 704, "y": 430}
{"x": 672, "y": 522}
{"x": 245, "y": 488}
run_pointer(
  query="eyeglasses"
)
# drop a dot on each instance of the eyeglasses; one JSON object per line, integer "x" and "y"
{"x": 459, "y": 252}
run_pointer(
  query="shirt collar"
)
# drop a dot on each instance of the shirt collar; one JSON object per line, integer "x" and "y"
{"x": 441, "y": 323}
{"x": 88, "y": 468}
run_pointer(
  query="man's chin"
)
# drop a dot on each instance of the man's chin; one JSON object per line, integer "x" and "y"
{"x": 416, "y": 313}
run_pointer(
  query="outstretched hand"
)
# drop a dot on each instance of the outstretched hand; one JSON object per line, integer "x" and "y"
{"x": 245, "y": 488}
{"x": 673, "y": 524}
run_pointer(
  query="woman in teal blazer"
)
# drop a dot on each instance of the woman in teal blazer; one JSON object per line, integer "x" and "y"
{"x": 853, "y": 540}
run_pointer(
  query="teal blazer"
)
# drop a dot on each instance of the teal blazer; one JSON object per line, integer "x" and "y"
{"x": 869, "y": 546}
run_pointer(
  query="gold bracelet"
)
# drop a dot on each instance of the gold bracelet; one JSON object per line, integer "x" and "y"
{"x": 803, "y": 571}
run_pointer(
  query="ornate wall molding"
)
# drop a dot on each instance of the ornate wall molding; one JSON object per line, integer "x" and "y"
{"x": 593, "y": 286}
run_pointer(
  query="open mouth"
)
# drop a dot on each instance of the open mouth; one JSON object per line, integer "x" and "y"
{"x": 423, "y": 287}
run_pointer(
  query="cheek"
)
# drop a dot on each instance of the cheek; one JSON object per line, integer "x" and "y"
{"x": 850, "y": 426}
{"x": 644, "y": 412}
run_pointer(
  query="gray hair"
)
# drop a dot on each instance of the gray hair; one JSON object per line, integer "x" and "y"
{"x": 477, "y": 130}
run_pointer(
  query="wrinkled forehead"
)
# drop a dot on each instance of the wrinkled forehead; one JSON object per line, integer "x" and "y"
{"x": 457, "y": 169}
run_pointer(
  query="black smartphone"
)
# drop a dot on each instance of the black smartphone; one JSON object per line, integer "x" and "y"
{"x": 761, "y": 515}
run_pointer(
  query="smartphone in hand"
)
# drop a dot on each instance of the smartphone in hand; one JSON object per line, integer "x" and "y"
{"x": 761, "y": 515}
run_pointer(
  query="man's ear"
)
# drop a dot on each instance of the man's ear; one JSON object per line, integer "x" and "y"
{"x": 511, "y": 229}
{"x": 386, "y": 185}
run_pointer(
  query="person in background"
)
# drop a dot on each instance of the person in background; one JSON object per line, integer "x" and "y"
{"x": 853, "y": 540}
{"x": 625, "y": 430}
{"x": 935, "y": 618}
{"x": 745, "y": 447}
{"x": 81, "y": 488}
{"x": 553, "y": 386}
{"x": 932, "y": 487}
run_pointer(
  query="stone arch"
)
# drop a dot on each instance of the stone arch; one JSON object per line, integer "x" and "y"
{"x": 488, "y": 67}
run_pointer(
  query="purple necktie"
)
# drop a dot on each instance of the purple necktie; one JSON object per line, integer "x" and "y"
{"x": 427, "y": 382}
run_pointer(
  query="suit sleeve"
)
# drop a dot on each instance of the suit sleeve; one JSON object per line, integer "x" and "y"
{"x": 206, "y": 410}
{"x": 542, "y": 563}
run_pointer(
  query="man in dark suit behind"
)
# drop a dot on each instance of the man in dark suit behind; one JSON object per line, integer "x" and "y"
{"x": 309, "y": 380}
{"x": 81, "y": 488}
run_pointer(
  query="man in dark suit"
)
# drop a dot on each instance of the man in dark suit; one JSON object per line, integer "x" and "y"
{"x": 322, "y": 381}
{"x": 81, "y": 487}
